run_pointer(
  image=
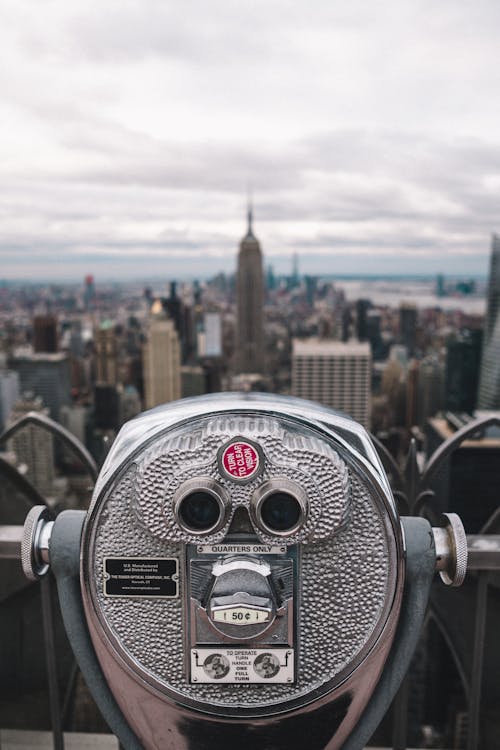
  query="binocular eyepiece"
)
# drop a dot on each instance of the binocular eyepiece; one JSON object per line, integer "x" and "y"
{"x": 245, "y": 578}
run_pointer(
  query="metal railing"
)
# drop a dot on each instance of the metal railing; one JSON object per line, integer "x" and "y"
{"x": 10, "y": 548}
{"x": 414, "y": 494}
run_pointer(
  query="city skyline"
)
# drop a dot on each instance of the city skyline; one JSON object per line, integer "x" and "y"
{"x": 129, "y": 135}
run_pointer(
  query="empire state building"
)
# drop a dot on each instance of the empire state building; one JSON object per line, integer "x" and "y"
{"x": 250, "y": 303}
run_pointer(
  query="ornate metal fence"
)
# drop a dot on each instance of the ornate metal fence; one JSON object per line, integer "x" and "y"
{"x": 415, "y": 495}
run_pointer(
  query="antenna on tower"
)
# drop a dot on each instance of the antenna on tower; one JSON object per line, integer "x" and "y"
{"x": 249, "y": 210}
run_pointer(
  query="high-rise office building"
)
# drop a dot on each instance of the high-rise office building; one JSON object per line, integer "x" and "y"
{"x": 210, "y": 338}
{"x": 45, "y": 375}
{"x": 45, "y": 333}
{"x": 89, "y": 292}
{"x": 463, "y": 355}
{"x": 334, "y": 373}
{"x": 33, "y": 447}
{"x": 374, "y": 335}
{"x": 9, "y": 394}
{"x": 193, "y": 381}
{"x": 250, "y": 303}
{"x": 106, "y": 407}
{"x": 161, "y": 363}
{"x": 489, "y": 375}
{"x": 408, "y": 326}
{"x": 431, "y": 384}
{"x": 75, "y": 418}
{"x": 130, "y": 403}
{"x": 106, "y": 349}
{"x": 362, "y": 308}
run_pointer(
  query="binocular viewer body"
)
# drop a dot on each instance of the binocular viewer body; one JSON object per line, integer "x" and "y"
{"x": 245, "y": 577}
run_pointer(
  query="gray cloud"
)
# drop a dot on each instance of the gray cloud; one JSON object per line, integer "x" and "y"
{"x": 134, "y": 128}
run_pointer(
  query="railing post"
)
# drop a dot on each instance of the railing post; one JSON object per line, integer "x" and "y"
{"x": 50, "y": 655}
{"x": 477, "y": 661}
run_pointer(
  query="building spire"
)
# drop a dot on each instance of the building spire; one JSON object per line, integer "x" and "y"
{"x": 249, "y": 212}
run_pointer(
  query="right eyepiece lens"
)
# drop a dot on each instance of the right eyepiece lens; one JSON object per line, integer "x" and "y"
{"x": 280, "y": 511}
{"x": 199, "y": 511}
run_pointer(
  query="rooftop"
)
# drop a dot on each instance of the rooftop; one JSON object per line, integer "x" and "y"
{"x": 330, "y": 348}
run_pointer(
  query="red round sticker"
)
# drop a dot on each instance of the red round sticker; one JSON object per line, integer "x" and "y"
{"x": 240, "y": 460}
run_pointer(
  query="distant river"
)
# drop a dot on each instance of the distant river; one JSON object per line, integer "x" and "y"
{"x": 392, "y": 292}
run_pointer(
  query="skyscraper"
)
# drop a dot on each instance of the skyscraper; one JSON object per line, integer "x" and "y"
{"x": 45, "y": 375}
{"x": 489, "y": 375}
{"x": 45, "y": 333}
{"x": 362, "y": 308}
{"x": 250, "y": 303}
{"x": 89, "y": 292}
{"x": 9, "y": 394}
{"x": 161, "y": 362}
{"x": 106, "y": 353}
{"x": 463, "y": 354}
{"x": 408, "y": 326}
{"x": 334, "y": 373}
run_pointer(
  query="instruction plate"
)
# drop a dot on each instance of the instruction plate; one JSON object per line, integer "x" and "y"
{"x": 242, "y": 665}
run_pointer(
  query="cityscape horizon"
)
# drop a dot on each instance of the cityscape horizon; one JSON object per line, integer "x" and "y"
{"x": 324, "y": 265}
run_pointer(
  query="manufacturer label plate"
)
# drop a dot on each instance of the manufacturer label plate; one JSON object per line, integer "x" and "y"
{"x": 141, "y": 577}
{"x": 242, "y": 665}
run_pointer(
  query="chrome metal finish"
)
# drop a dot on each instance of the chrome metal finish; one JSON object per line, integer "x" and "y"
{"x": 483, "y": 552}
{"x": 10, "y": 542}
{"x": 351, "y": 514}
{"x": 44, "y": 541}
{"x": 260, "y": 567}
{"x": 271, "y": 487}
{"x": 212, "y": 488}
{"x": 451, "y": 550}
{"x": 242, "y": 584}
{"x": 443, "y": 550}
{"x": 35, "y": 542}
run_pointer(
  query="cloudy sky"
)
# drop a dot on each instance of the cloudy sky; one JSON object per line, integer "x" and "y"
{"x": 368, "y": 132}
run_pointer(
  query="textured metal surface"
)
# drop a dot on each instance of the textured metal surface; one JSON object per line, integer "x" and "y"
{"x": 33, "y": 565}
{"x": 454, "y": 574}
{"x": 348, "y": 556}
{"x": 310, "y": 462}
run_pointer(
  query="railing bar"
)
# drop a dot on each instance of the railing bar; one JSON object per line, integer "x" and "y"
{"x": 483, "y": 551}
{"x": 477, "y": 662}
{"x": 66, "y": 437}
{"x": 50, "y": 655}
{"x": 446, "y": 449}
{"x": 10, "y": 542}
{"x": 29, "y": 494}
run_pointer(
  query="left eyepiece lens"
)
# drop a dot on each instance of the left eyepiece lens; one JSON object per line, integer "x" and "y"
{"x": 201, "y": 505}
{"x": 199, "y": 511}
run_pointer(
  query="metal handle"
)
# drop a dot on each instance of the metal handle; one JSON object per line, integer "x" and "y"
{"x": 451, "y": 550}
{"x": 36, "y": 541}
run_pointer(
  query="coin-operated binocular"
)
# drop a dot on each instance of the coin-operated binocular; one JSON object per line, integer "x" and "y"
{"x": 242, "y": 578}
